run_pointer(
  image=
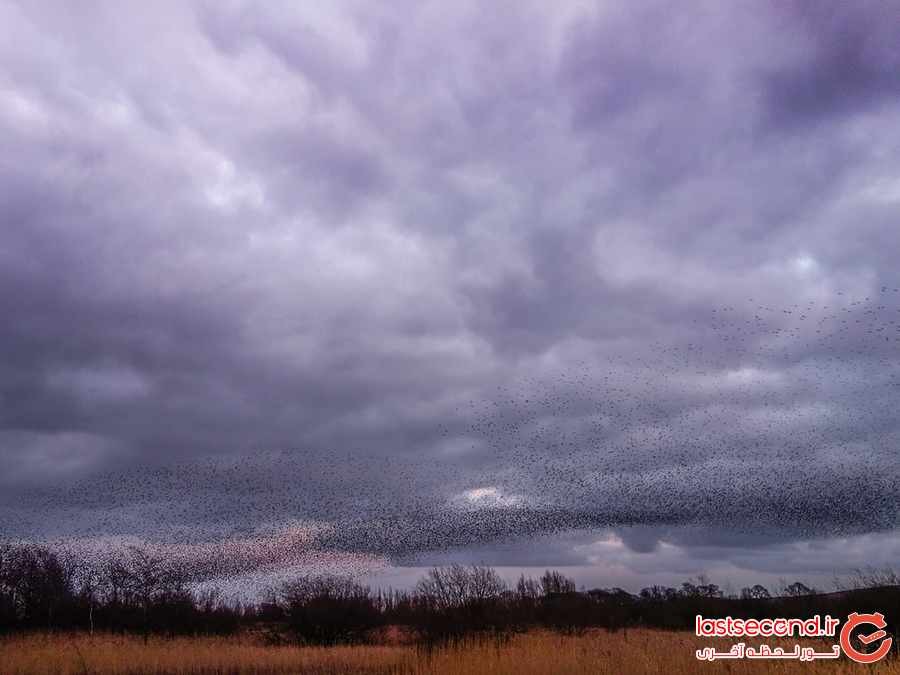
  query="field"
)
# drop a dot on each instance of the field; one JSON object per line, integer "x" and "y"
{"x": 621, "y": 653}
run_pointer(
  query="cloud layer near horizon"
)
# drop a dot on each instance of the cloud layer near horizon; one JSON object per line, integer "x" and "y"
{"x": 434, "y": 277}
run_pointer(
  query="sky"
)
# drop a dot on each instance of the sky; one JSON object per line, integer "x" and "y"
{"x": 367, "y": 287}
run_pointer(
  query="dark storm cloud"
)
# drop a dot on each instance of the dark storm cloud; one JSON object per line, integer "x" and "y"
{"x": 846, "y": 62}
{"x": 427, "y": 279}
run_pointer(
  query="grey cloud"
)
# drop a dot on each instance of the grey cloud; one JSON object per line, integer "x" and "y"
{"x": 446, "y": 278}
{"x": 845, "y": 63}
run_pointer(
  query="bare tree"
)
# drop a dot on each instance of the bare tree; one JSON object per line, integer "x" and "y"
{"x": 458, "y": 586}
{"x": 658, "y": 593}
{"x": 35, "y": 583}
{"x": 702, "y": 589}
{"x": 755, "y": 592}
{"x": 528, "y": 589}
{"x": 554, "y": 583}
{"x": 798, "y": 589}
{"x": 326, "y": 609}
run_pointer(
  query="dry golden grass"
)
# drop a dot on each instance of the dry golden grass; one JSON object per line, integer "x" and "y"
{"x": 623, "y": 653}
{"x": 103, "y": 655}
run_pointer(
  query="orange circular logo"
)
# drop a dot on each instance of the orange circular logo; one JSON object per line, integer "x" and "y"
{"x": 856, "y": 619}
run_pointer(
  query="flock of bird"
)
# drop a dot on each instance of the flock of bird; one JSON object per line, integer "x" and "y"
{"x": 754, "y": 418}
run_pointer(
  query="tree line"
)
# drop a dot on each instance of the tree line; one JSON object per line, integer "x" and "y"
{"x": 137, "y": 591}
